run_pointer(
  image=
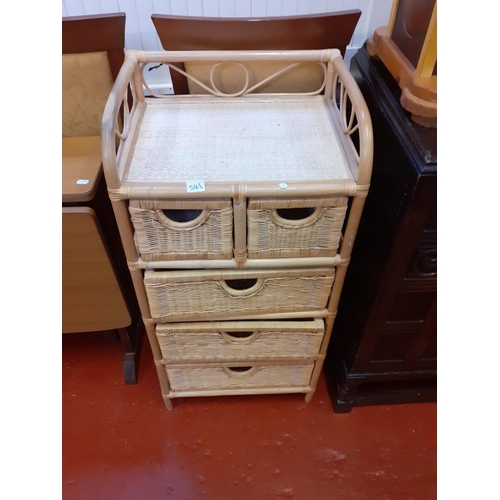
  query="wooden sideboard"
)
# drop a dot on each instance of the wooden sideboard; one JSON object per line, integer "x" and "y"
{"x": 383, "y": 347}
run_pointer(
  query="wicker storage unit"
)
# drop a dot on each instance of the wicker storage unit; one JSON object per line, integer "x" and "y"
{"x": 240, "y": 340}
{"x": 300, "y": 227}
{"x": 183, "y": 229}
{"x": 237, "y": 213}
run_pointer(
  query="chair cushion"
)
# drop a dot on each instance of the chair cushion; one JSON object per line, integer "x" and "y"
{"x": 86, "y": 84}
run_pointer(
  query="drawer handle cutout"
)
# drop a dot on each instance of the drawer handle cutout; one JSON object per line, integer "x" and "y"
{"x": 295, "y": 213}
{"x": 296, "y": 217}
{"x": 181, "y": 215}
{"x": 242, "y": 287}
{"x": 240, "y": 371}
{"x": 240, "y": 337}
{"x": 182, "y": 219}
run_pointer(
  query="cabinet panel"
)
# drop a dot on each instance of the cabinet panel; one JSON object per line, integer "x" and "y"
{"x": 92, "y": 299}
{"x": 410, "y": 306}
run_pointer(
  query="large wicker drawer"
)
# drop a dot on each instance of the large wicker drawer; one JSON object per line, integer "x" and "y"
{"x": 207, "y": 294}
{"x": 294, "y": 227}
{"x": 249, "y": 376}
{"x": 238, "y": 340}
{"x": 183, "y": 229}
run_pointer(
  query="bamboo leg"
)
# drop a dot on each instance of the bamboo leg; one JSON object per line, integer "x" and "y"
{"x": 345, "y": 253}
{"x": 240, "y": 229}
{"x": 140, "y": 291}
{"x": 125, "y": 229}
{"x": 318, "y": 366}
{"x": 160, "y": 367}
{"x": 158, "y": 359}
{"x": 351, "y": 230}
{"x": 168, "y": 402}
{"x": 332, "y": 308}
{"x": 126, "y": 232}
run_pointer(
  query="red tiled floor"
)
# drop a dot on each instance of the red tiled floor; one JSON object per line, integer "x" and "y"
{"x": 120, "y": 442}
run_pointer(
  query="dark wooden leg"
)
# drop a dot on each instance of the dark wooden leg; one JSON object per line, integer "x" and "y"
{"x": 342, "y": 391}
{"x": 346, "y": 394}
{"x": 131, "y": 338}
{"x": 341, "y": 388}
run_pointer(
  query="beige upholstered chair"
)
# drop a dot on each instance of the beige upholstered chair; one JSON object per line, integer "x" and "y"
{"x": 87, "y": 81}
{"x": 92, "y": 54}
{"x": 97, "y": 293}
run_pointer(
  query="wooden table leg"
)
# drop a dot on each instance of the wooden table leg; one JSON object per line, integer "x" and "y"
{"x": 131, "y": 338}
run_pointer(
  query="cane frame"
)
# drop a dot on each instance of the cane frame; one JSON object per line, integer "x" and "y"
{"x": 349, "y": 116}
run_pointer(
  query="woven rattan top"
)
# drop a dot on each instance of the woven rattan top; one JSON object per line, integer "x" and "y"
{"x": 236, "y": 140}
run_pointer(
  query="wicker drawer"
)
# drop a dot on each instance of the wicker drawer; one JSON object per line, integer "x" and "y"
{"x": 183, "y": 229}
{"x": 294, "y": 227}
{"x": 244, "y": 376}
{"x": 237, "y": 340}
{"x": 207, "y": 294}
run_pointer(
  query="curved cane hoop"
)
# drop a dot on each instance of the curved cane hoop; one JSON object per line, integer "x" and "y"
{"x": 218, "y": 93}
{"x": 126, "y": 121}
{"x": 128, "y": 114}
{"x": 237, "y": 94}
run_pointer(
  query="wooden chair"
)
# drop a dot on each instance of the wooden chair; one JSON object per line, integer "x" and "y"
{"x": 97, "y": 289}
{"x": 324, "y": 31}
{"x": 93, "y": 52}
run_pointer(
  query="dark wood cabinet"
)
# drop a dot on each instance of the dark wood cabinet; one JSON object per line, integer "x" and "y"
{"x": 383, "y": 347}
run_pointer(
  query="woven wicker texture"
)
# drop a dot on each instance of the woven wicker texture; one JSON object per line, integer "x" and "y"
{"x": 233, "y": 341}
{"x": 188, "y": 295}
{"x": 196, "y": 378}
{"x": 236, "y": 140}
{"x": 271, "y": 234}
{"x": 208, "y": 235}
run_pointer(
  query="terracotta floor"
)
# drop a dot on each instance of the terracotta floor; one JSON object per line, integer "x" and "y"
{"x": 119, "y": 442}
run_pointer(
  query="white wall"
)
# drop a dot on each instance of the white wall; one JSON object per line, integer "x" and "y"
{"x": 140, "y": 33}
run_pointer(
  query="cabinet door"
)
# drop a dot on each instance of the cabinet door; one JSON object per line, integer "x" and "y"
{"x": 91, "y": 296}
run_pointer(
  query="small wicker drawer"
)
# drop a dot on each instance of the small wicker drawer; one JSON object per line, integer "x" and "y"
{"x": 238, "y": 340}
{"x": 207, "y": 294}
{"x": 183, "y": 229}
{"x": 237, "y": 377}
{"x": 294, "y": 227}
